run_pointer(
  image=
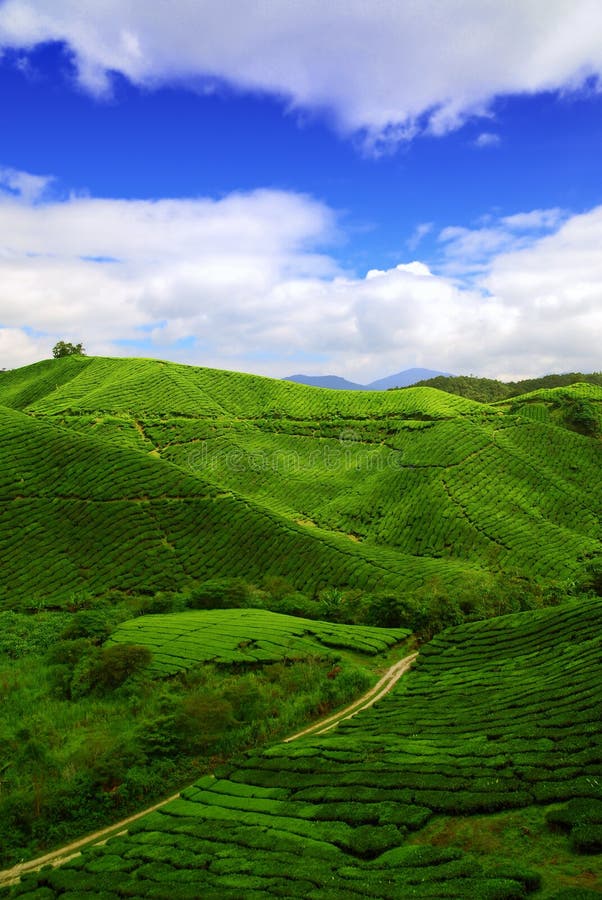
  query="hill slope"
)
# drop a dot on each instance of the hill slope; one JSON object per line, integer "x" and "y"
{"x": 488, "y": 390}
{"x": 125, "y": 473}
{"x": 78, "y": 513}
{"x": 577, "y": 407}
{"x": 179, "y": 641}
{"x": 496, "y": 716}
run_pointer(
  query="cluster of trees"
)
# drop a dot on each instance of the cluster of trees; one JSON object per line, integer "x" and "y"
{"x": 425, "y": 611}
{"x": 488, "y": 390}
{"x": 66, "y": 348}
{"x": 583, "y": 417}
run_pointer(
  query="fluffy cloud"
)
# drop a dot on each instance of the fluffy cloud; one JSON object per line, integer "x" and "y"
{"x": 115, "y": 270}
{"x": 244, "y": 282}
{"x": 468, "y": 252}
{"x": 22, "y": 185}
{"x": 386, "y": 69}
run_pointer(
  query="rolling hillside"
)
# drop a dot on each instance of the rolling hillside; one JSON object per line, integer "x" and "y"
{"x": 79, "y": 514}
{"x": 138, "y": 477}
{"x": 496, "y": 729}
{"x": 138, "y": 474}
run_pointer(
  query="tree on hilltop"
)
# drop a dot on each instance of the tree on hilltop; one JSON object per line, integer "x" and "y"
{"x": 65, "y": 348}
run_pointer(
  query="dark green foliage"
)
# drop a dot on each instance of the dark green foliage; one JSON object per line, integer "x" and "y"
{"x": 488, "y": 390}
{"x": 591, "y": 576}
{"x": 66, "y": 348}
{"x": 576, "y": 893}
{"x": 584, "y": 416}
{"x": 115, "y": 664}
{"x": 219, "y": 593}
{"x": 22, "y": 634}
{"x": 587, "y": 838}
{"x": 582, "y": 820}
{"x": 484, "y": 390}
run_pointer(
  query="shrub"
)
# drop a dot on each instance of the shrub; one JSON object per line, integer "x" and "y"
{"x": 219, "y": 593}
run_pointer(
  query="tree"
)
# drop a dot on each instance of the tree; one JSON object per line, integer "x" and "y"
{"x": 65, "y": 348}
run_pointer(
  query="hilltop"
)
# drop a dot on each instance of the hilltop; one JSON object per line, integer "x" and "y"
{"x": 124, "y": 473}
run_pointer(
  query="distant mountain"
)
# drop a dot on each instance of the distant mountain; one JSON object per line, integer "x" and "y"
{"x": 326, "y": 381}
{"x": 401, "y": 379}
{"x": 404, "y": 379}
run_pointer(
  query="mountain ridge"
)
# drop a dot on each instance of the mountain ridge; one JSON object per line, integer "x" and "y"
{"x": 405, "y": 378}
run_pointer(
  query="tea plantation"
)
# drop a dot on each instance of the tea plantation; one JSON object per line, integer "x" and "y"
{"x": 137, "y": 474}
{"x": 133, "y": 486}
{"x": 78, "y": 513}
{"x": 496, "y": 716}
{"x": 244, "y": 636}
{"x": 577, "y": 407}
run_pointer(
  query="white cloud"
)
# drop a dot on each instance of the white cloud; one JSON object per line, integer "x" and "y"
{"x": 468, "y": 252}
{"x": 244, "y": 281}
{"x": 387, "y": 69}
{"x": 17, "y": 348}
{"x": 536, "y": 219}
{"x": 22, "y": 185}
{"x": 487, "y": 139}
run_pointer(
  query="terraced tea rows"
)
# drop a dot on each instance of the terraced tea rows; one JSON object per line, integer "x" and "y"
{"x": 509, "y": 495}
{"x": 496, "y": 715}
{"x": 77, "y": 513}
{"x": 179, "y": 641}
{"x": 374, "y": 490}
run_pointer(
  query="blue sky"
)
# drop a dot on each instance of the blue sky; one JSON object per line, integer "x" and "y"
{"x": 252, "y": 202}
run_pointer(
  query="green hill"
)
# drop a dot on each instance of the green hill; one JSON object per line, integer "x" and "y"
{"x": 78, "y": 514}
{"x": 488, "y": 390}
{"x": 143, "y": 475}
{"x": 179, "y": 641}
{"x": 130, "y": 486}
{"x": 577, "y": 407}
{"x": 448, "y": 787}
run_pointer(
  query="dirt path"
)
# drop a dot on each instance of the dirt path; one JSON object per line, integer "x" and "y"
{"x": 389, "y": 680}
{"x": 63, "y": 854}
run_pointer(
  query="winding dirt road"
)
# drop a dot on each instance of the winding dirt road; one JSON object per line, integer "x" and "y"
{"x": 386, "y": 683}
{"x": 63, "y": 854}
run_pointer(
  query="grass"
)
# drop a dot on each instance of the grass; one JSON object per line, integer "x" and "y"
{"x": 519, "y": 834}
